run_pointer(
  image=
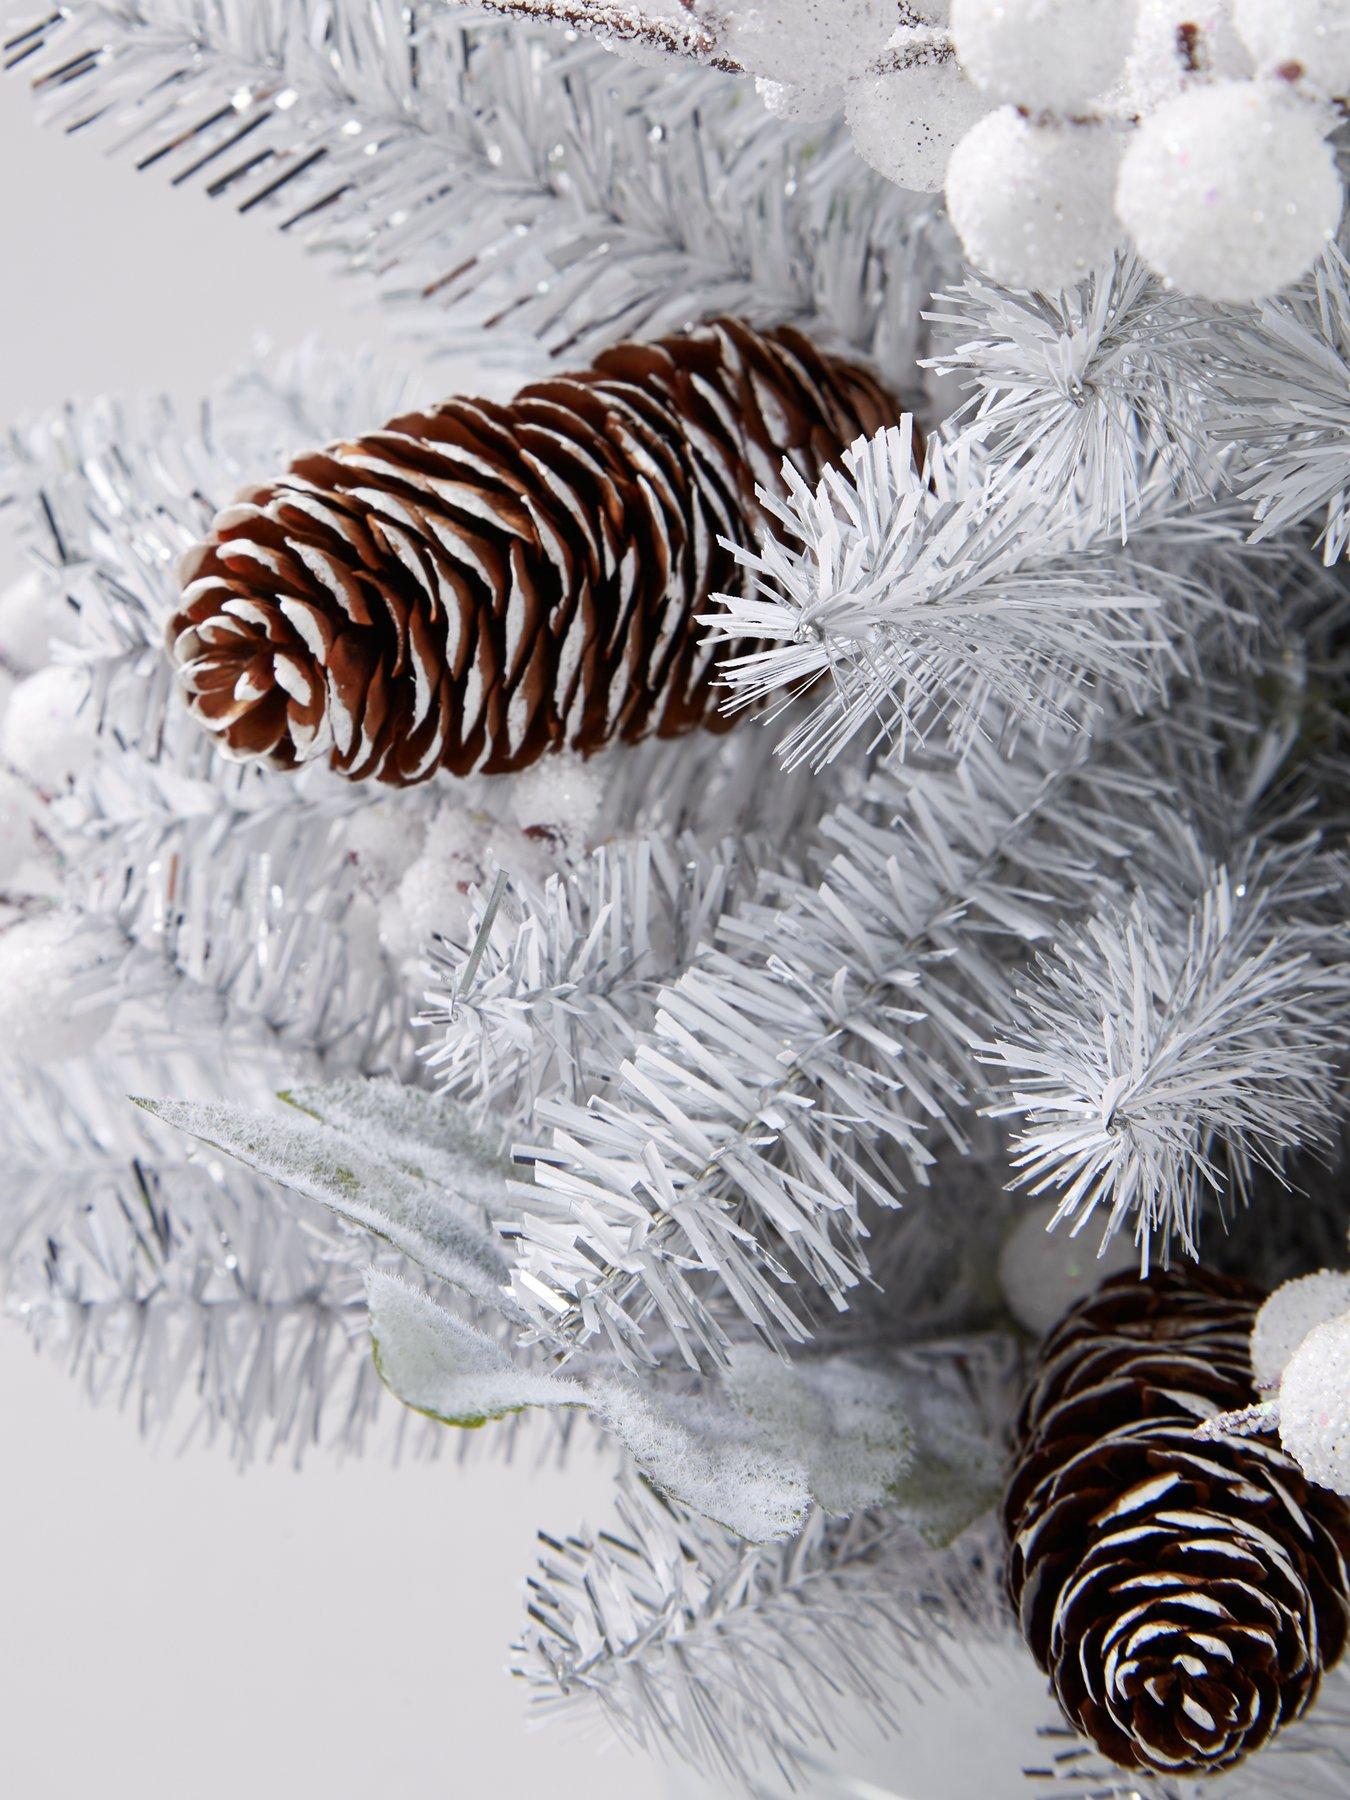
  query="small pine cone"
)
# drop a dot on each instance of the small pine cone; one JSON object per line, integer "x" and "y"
{"x": 477, "y": 585}
{"x": 1185, "y": 1597}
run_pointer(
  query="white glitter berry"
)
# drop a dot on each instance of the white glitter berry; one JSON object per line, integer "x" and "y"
{"x": 906, "y": 122}
{"x": 1290, "y": 1314}
{"x": 1032, "y": 202}
{"x": 1315, "y": 1405}
{"x": 1230, "y": 192}
{"x": 1051, "y": 53}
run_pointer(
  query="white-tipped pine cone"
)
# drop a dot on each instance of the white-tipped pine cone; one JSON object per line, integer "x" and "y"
{"x": 476, "y": 585}
{"x": 1185, "y": 1597}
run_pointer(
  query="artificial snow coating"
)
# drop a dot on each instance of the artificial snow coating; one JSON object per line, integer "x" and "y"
{"x": 906, "y": 121}
{"x": 1313, "y": 34}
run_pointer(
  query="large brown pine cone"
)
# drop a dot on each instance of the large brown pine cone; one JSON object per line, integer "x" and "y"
{"x": 476, "y": 585}
{"x": 1184, "y": 1597}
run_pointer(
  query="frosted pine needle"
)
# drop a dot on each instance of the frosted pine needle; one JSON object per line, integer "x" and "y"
{"x": 1168, "y": 1048}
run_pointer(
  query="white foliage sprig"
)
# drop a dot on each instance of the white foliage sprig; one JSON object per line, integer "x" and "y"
{"x": 1284, "y": 375}
{"x": 546, "y": 997}
{"x": 1175, "y": 1043}
{"x": 957, "y": 594}
{"x": 1087, "y": 390}
{"x": 492, "y": 170}
{"x": 796, "y": 1071}
{"x": 734, "y": 1656}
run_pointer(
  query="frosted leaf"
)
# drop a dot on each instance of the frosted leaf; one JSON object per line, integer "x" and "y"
{"x": 1031, "y": 202}
{"x": 440, "y": 1366}
{"x": 48, "y": 731}
{"x": 1230, "y": 191}
{"x": 1313, "y": 35}
{"x": 1290, "y": 1314}
{"x": 435, "y": 1228}
{"x": 906, "y": 120}
{"x": 844, "y": 1423}
{"x": 709, "y": 1456}
{"x": 425, "y": 1135}
{"x": 1043, "y": 53}
{"x": 753, "y": 1458}
{"x": 955, "y": 1474}
{"x": 1315, "y": 1405}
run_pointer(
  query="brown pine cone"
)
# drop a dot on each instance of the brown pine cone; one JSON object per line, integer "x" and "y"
{"x": 476, "y": 585}
{"x": 1185, "y": 1597}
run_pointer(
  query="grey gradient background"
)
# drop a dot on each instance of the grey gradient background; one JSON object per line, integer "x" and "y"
{"x": 169, "y": 1629}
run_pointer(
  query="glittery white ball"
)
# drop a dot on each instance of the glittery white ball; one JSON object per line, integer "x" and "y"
{"x": 433, "y": 895}
{"x": 27, "y": 616}
{"x": 434, "y": 898}
{"x": 1290, "y": 1314}
{"x": 906, "y": 122}
{"x": 1042, "y": 1273}
{"x": 1178, "y": 43}
{"x": 1315, "y": 1405}
{"x": 1312, "y": 33}
{"x": 833, "y": 39}
{"x": 386, "y": 838}
{"x": 43, "y": 1017}
{"x": 1053, "y": 53}
{"x": 19, "y": 809}
{"x": 799, "y": 103}
{"x": 559, "y": 794}
{"x": 1230, "y": 192}
{"x": 1032, "y": 202}
{"x": 48, "y": 731}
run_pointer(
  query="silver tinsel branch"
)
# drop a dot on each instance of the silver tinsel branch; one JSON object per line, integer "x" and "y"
{"x": 1176, "y": 1041}
{"x": 505, "y": 174}
{"x": 555, "y": 980}
{"x": 737, "y": 1657}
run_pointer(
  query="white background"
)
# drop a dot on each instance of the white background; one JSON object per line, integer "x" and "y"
{"x": 171, "y": 1630}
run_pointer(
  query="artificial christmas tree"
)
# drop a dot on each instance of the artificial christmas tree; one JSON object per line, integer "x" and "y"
{"x": 746, "y": 1053}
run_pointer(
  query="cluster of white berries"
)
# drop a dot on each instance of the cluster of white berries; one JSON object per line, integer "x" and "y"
{"x": 423, "y": 867}
{"x": 1059, "y": 128}
{"x": 1301, "y": 1347}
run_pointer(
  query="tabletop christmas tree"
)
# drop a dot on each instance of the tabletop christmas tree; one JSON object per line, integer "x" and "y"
{"x": 772, "y": 889}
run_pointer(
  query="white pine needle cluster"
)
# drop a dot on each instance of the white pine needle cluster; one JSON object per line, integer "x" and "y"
{"x": 957, "y": 595}
{"x": 1172, "y": 1045}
